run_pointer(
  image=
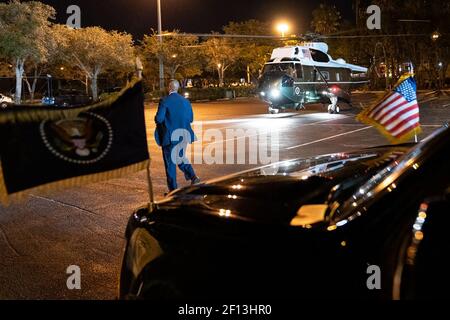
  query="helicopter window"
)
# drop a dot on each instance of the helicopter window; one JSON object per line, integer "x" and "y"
{"x": 287, "y": 82}
{"x": 319, "y": 56}
{"x": 289, "y": 59}
{"x": 279, "y": 67}
{"x": 299, "y": 70}
{"x": 358, "y": 75}
{"x": 325, "y": 75}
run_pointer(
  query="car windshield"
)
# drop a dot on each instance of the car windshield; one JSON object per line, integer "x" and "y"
{"x": 305, "y": 168}
{"x": 386, "y": 178}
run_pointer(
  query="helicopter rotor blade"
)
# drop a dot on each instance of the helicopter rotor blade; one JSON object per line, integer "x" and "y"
{"x": 377, "y": 36}
{"x": 306, "y": 37}
{"x": 220, "y": 35}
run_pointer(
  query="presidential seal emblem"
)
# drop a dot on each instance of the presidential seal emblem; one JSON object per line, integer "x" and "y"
{"x": 85, "y": 139}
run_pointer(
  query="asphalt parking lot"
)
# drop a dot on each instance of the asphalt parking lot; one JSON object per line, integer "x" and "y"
{"x": 84, "y": 226}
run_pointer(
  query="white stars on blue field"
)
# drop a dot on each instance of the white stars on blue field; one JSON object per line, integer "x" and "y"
{"x": 408, "y": 89}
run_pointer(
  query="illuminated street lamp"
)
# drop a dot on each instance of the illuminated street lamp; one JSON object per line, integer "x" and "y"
{"x": 435, "y": 36}
{"x": 283, "y": 28}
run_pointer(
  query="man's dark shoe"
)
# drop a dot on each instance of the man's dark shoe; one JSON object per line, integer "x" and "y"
{"x": 196, "y": 180}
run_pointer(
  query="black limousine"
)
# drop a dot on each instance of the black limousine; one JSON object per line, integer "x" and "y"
{"x": 307, "y": 228}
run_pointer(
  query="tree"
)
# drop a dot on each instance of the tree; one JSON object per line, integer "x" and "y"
{"x": 6, "y": 69}
{"x": 252, "y": 52}
{"x": 180, "y": 53}
{"x": 51, "y": 65}
{"x": 220, "y": 56}
{"x": 23, "y": 31}
{"x": 95, "y": 51}
{"x": 417, "y": 48}
{"x": 326, "y": 19}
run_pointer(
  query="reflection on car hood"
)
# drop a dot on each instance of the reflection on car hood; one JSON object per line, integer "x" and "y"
{"x": 274, "y": 194}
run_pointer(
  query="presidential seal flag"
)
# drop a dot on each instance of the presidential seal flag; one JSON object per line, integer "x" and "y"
{"x": 43, "y": 148}
{"x": 397, "y": 115}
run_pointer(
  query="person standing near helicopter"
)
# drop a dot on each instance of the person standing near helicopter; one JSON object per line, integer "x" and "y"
{"x": 173, "y": 133}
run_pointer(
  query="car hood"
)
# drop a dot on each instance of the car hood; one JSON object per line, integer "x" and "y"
{"x": 275, "y": 193}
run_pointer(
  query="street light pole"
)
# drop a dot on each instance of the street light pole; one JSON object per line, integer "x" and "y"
{"x": 161, "y": 62}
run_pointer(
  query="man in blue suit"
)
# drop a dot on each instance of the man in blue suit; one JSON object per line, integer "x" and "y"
{"x": 174, "y": 133}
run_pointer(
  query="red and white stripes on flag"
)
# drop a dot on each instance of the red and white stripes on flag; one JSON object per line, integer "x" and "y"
{"x": 397, "y": 115}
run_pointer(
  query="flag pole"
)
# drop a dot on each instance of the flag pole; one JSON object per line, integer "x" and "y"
{"x": 151, "y": 195}
{"x": 150, "y": 188}
{"x": 416, "y": 138}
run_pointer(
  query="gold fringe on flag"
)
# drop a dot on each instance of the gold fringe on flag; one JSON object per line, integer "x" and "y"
{"x": 7, "y": 199}
{"x": 364, "y": 118}
{"x": 41, "y": 114}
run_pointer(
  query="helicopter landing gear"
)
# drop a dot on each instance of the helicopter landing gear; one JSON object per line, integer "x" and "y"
{"x": 273, "y": 110}
{"x": 333, "y": 108}
{"x": 299, "y": 106}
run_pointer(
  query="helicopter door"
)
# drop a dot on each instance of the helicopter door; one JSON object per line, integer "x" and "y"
{"x": 299, "y": 71}
{"x": 298, "y": 91}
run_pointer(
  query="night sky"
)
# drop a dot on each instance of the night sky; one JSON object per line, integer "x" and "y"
{"x": 199, "y": 16}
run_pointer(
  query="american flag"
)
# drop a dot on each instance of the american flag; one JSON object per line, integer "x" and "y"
{"x": 397, "y": 115}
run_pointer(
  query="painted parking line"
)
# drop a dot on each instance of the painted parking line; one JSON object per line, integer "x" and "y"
{"x": 250, "y": 118}
{"x": 265, "y": 132}
{"x": 320, "y": 123}
{"x": 432, "y": 125}
{"x": 223, "y": 121}
{"x": 321, "y": 115}
{"x": 265, "y": 118}
{"x": 328, "y": 138}
{"x": 259, "y": 117}
{"x": 318, "y": 118}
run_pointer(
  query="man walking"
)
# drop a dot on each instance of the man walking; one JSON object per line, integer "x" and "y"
{"x": 174, "y": 133}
